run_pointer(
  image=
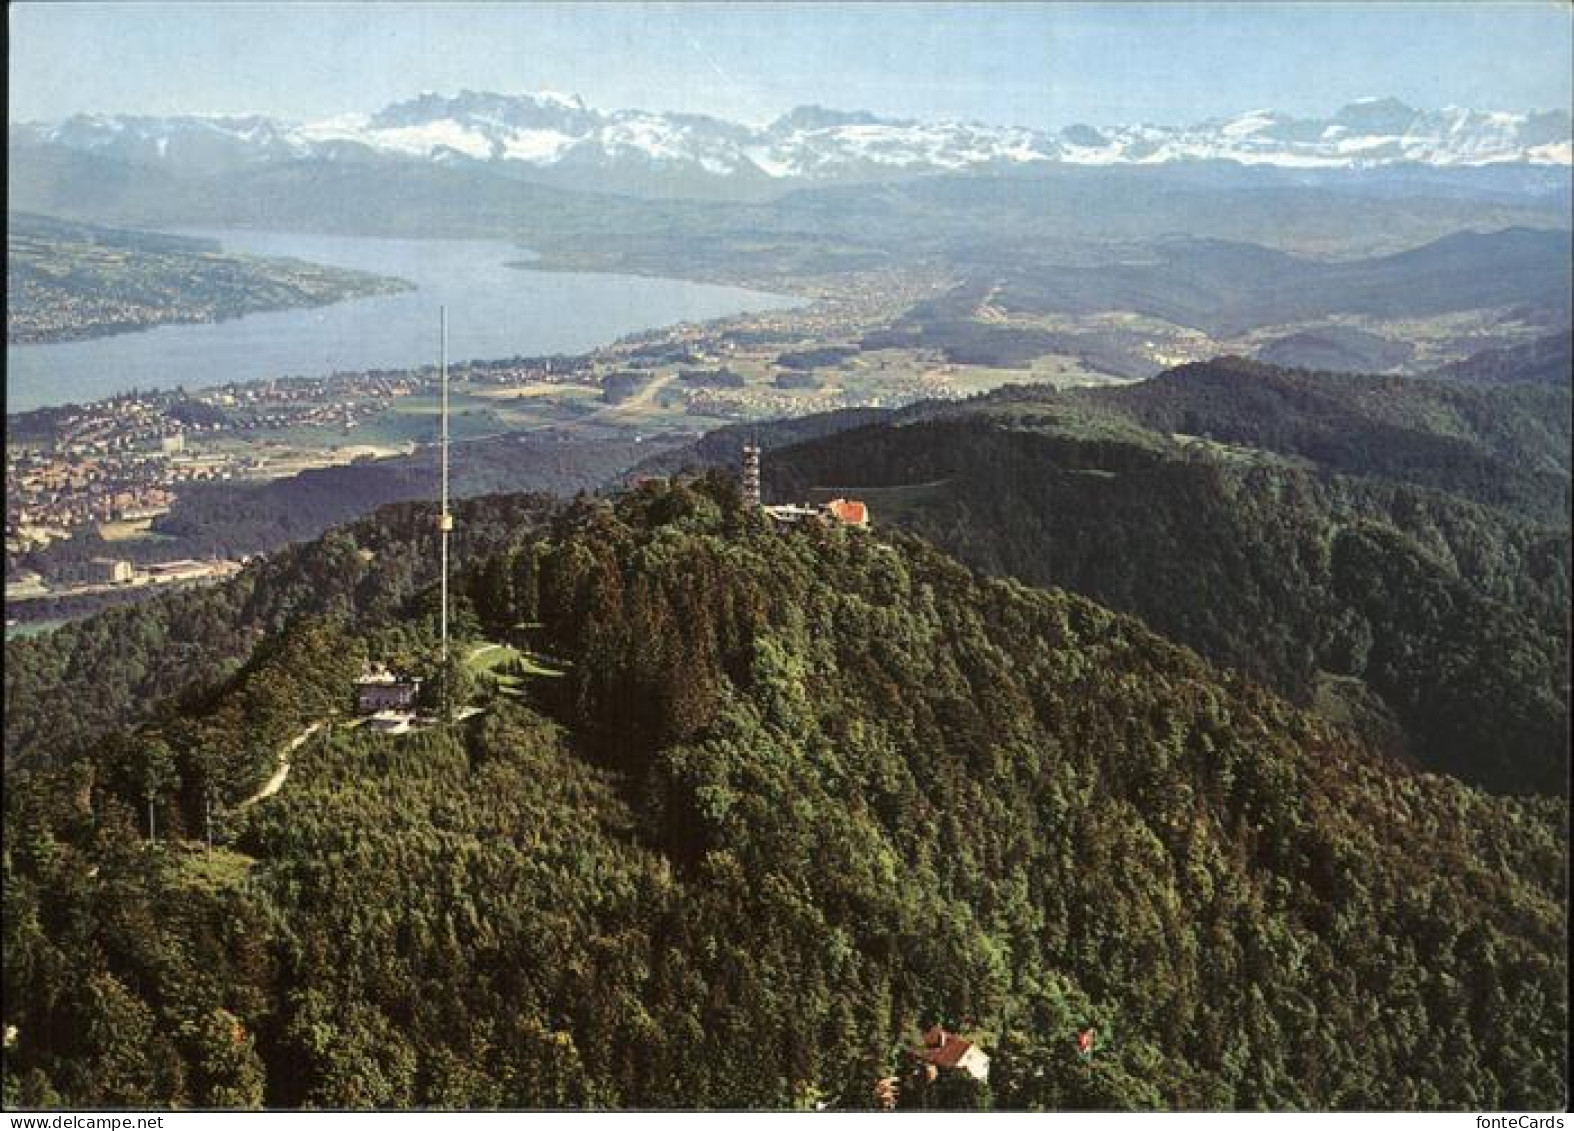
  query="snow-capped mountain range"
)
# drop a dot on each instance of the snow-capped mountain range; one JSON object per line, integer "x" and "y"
{"x": 534, "y": 134}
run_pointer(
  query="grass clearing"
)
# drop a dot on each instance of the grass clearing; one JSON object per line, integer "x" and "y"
{"x": 534, "y": 390}
{"x": 1244, "y": 454}
{"x": 33, "y": 628}
{"x": 215, "y": 870}
{"x": 506, "y": 665}
{"x": 489, "y": 655}
{"x": 135, "y": 530}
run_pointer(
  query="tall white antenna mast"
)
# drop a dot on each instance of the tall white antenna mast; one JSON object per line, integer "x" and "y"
{"x": 445, "y": 521}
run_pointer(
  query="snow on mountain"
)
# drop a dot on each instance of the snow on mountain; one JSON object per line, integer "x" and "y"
{"x": 669, "y": 141}
{"x": 547, "y": 131}
{"x": 185, "y": 144}
{"x": 816, "y": 146}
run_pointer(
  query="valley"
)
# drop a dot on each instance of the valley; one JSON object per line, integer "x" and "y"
{"x": 77, "y": 474}
{"x": 868, "y": 339}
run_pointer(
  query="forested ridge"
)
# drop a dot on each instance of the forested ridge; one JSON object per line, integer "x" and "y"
{"x": 1548, "y": 360}
{"x": 1388, "y": 549}
{"x": 1506, "y": 447}
{"x": 793, "y": 797}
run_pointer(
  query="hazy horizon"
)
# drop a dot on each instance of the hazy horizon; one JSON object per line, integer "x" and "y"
{"x": 1040, "y": 66}
{"x": 755, "y": 121}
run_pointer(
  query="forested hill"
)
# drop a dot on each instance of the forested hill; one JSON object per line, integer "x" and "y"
{"x": 1504, "y": 447}
{"x": 1333, "y": 536}
{"x": 792, "y": 797}
{"x": 1548, "y": 361}
{"x": 67, "y": 688}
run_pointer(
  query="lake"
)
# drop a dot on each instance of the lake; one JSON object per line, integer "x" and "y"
{"x": 494, "y": 311}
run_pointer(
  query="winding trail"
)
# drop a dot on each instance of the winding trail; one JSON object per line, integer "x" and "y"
{"x": 276, "y": 782}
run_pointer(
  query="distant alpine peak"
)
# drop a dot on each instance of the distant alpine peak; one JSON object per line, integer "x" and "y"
{"x": 820, "y": 118}
{"x": 547, "y": 130}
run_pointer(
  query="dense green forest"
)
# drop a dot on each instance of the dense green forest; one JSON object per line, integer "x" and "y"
{"x": 792, "y": 797}
{"x": 1394, "y": 551}
{"x": 68, "y": 687}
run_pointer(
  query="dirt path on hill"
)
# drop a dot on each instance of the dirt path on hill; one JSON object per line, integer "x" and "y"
{"x": 276, "y": 782}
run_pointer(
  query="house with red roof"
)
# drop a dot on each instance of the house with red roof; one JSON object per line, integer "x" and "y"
{"x": 850, "y": 512}
{"x": 947, "y": 1052}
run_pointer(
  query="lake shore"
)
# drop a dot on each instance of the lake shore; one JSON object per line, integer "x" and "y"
{"x": 499, "y": 306}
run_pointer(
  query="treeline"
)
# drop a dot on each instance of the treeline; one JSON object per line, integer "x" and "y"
{"x": 797, "y": 796}
{"x": 1226, "y": 288}
{"x": 36, "y": 226}
{"x": 723, "y": 447}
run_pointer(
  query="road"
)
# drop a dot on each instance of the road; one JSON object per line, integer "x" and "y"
{"x": 219, "y": 571}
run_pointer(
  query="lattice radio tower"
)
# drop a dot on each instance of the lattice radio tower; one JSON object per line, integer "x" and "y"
{"x": 445, "y": 521}
{"x": 750, "y": 479}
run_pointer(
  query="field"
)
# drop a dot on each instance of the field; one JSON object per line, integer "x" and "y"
{"x": 536, "y": 389}
{"x": 135, "y": 530}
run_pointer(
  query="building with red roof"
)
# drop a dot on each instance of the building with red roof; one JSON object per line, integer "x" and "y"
{"x": 947, "y": 1052}
{"x": 852, "y": 512}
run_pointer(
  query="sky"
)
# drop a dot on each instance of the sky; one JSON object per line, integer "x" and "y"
{"x": 1037, "y": 65}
